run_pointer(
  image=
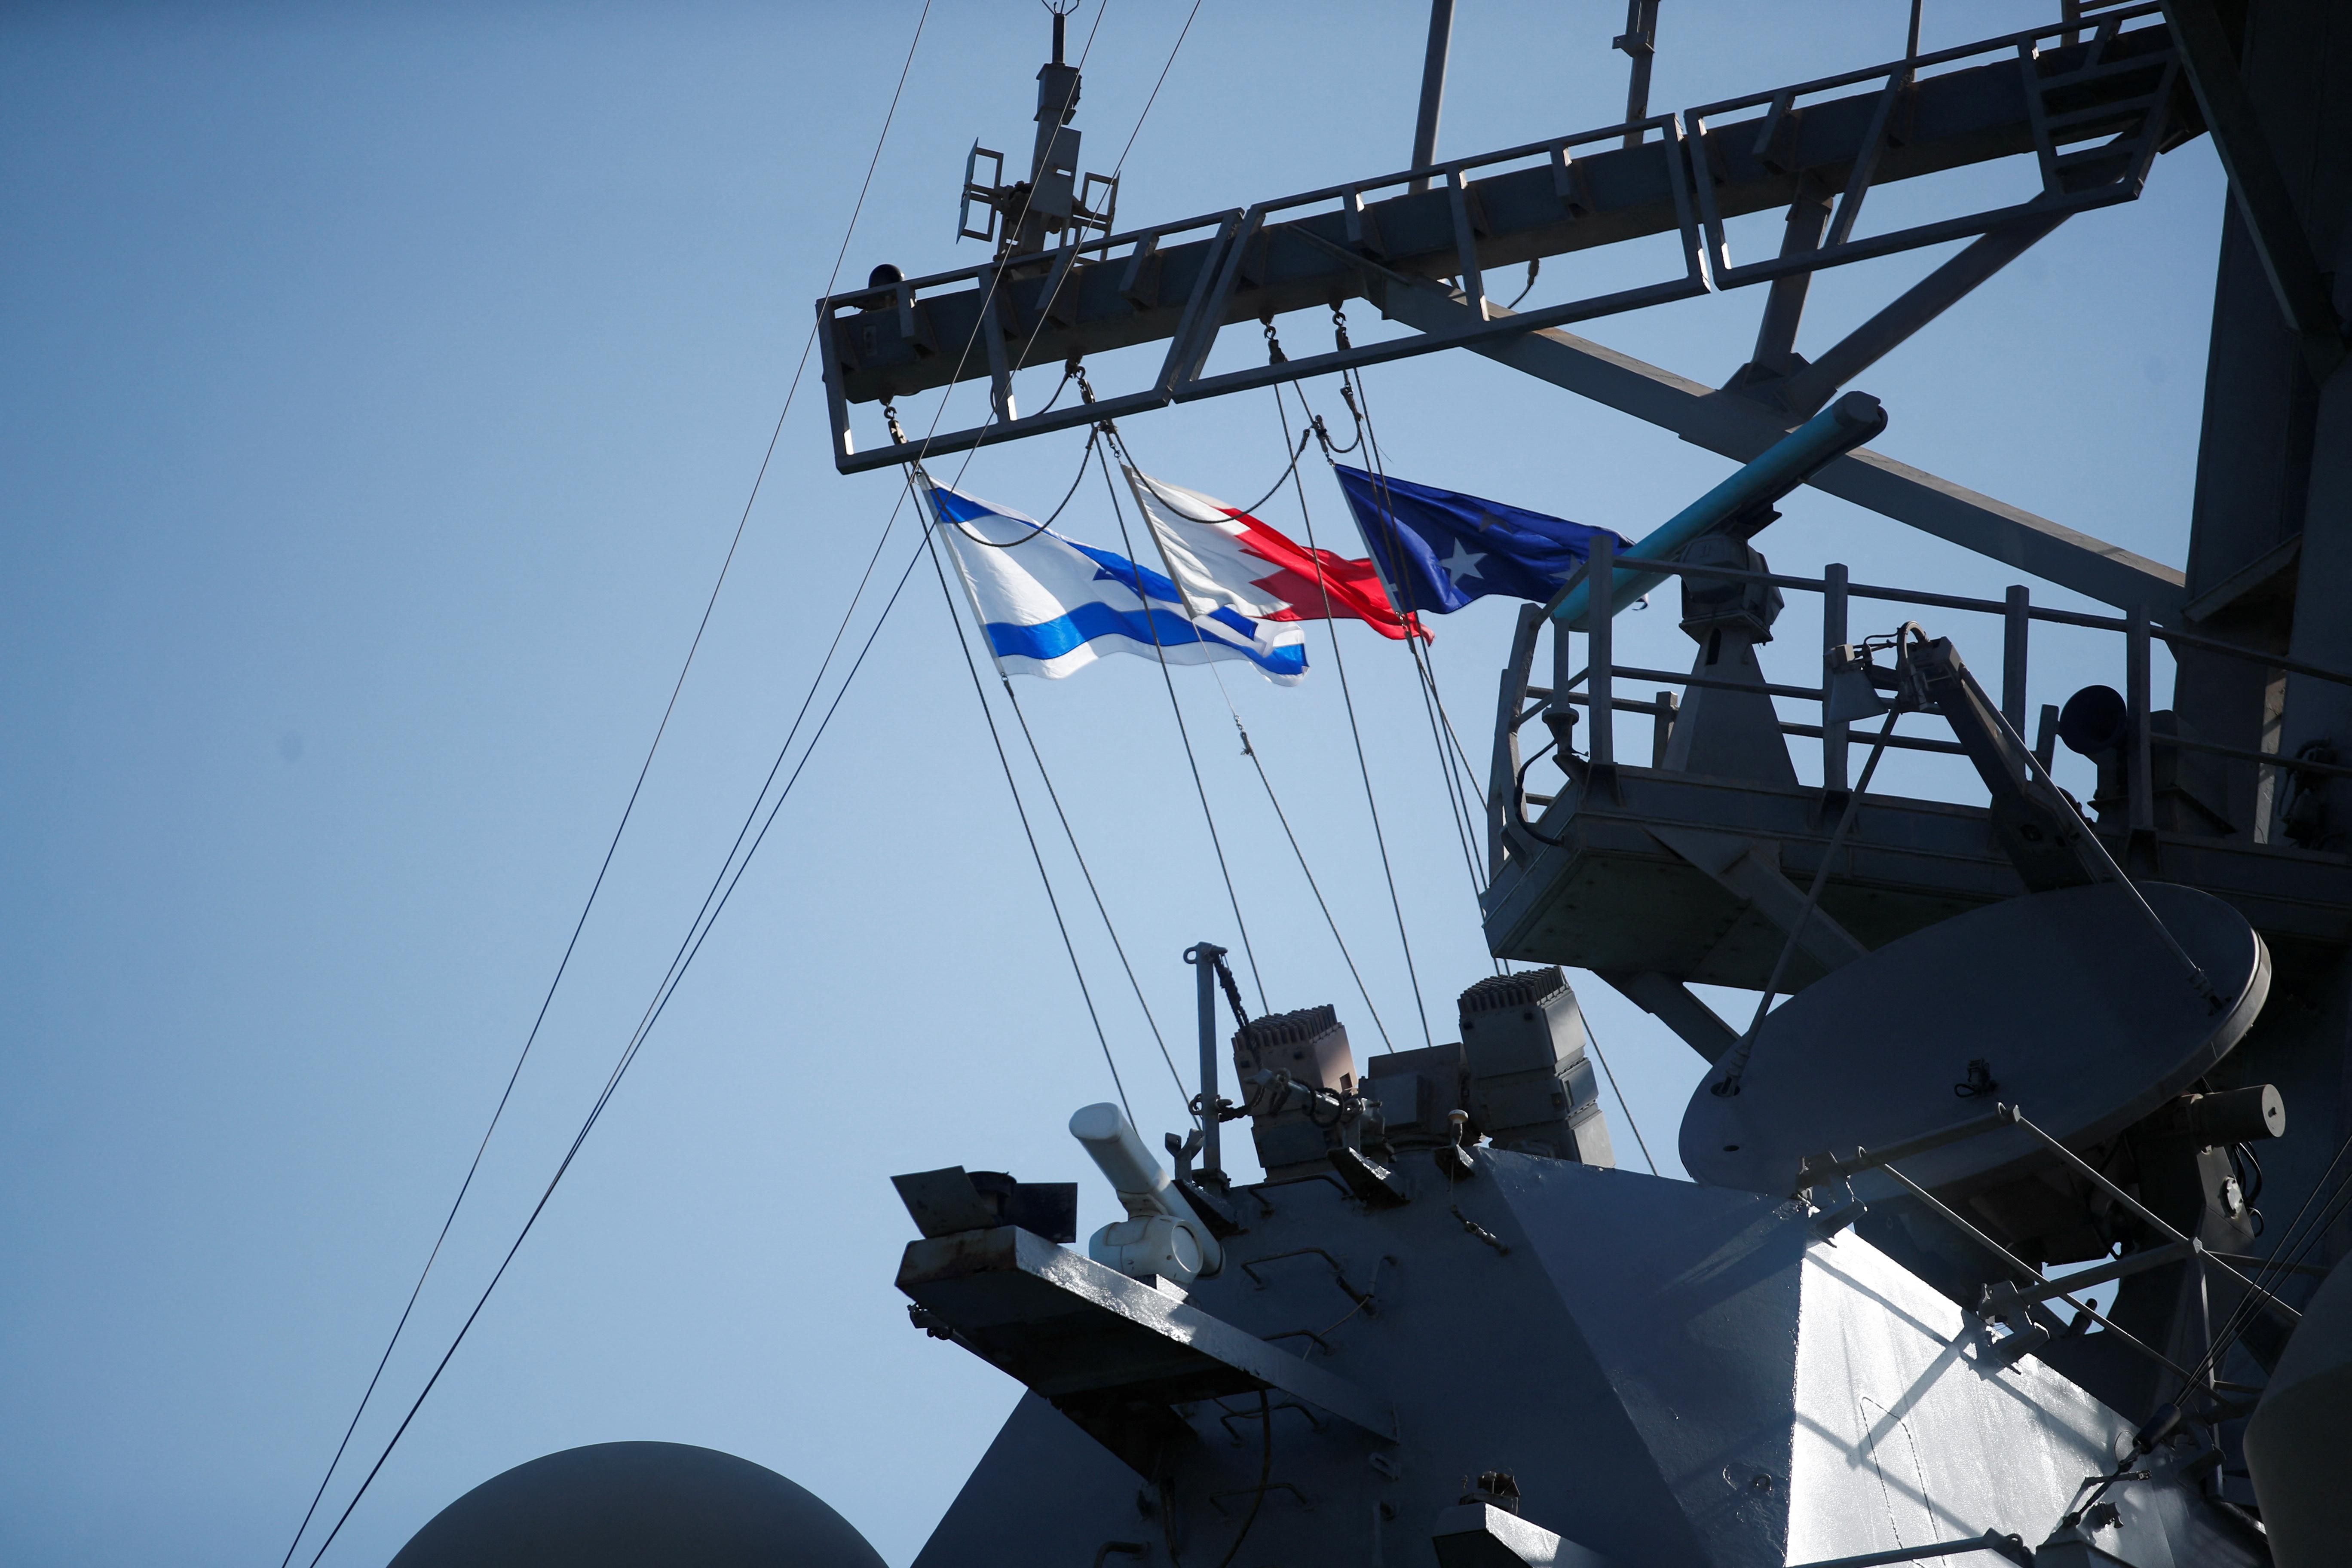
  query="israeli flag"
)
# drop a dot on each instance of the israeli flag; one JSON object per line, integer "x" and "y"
{"x": 1051, "y": 605}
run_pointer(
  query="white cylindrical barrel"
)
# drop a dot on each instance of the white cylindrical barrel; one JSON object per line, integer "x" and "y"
{"x": 1137, "y": 1177}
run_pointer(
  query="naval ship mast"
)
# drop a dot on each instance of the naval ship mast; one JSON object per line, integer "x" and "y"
{"x": 1741, "y": 877}
{"x": 2036, "y": 1053}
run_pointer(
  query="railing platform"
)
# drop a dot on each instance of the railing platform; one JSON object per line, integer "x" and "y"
{"x": 1611, "y": 896}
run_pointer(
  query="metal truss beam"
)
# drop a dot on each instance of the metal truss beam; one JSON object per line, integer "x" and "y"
{"x": 1809, "y": 390}
{"x": 1740, "y": 428}
{"x": 2256, "y": 184}
{"x": 1784, "y": 304}
{"x": 2092, "y": 113}
{"x": 1672, "y": 1003}
{"x": 1750, "y": 869}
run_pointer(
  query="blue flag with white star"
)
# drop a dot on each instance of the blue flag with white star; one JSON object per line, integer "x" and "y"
{"x": 1438, "y": 549}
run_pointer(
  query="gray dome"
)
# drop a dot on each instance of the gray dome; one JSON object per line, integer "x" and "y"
{"x": 638, "y": 1505}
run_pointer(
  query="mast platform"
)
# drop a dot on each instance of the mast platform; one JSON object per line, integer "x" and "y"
{"x": 1684, "y": 875}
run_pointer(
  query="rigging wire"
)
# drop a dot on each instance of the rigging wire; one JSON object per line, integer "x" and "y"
{"x": 1070, "y": 370}
{"x": 1207, "y": 816}
{"x": 2294, "y": 1246}
{"x": 1069, "y": 832}
{"x": 1315, "y": 426}
{"x": 1347, "y": 696}
{"x": 1433, "y": 697}
{"x": 1458, "y": 798}
{"x": 1535, "y": 265}
{"x": 1471, "y": 788}
{"x": 680, "y": 963}
{"x": 955, "y": 623}
{"x": 1351, "y": 389}
{"x": 692, "y": 946}
{"x": 1037, "y": 756}
{"x": 1622, "y": 1103}
{"x": 1250, "y": 750}
{"x": 1462, "y": 789}
{"x": 1117, "y": 167}
{"x": 1464, "y": 820}
{"x": 637, "y": 789}
{"x": 1265, "y": 1468}
{"x": 1282, "y": 816}
{"x": 1339, "y": 662}
{"x": 1080, "y": 855}
{"x": 1084, "y": 456}
{"x": 1288, "y": 469}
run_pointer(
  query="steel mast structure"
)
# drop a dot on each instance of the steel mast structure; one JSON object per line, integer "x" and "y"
{"x": 1711, "y": 864}
{"x": 2036, "y": 1053}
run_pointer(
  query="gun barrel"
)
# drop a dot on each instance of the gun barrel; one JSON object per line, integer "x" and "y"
{"x": 1786, "y": 464}
{"x": 1142, "y": 1185}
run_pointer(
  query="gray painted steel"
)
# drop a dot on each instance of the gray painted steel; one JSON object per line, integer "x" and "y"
{"x": 1072, "y": 1328}
{"x": 2297, "y": 1445}
{"x": 1642, "y": 1357}
{"x": 1672, "y": 1373}
{"x": 2093, "y": 112}
{"x": 2084, "y": 1017}
{"x": 1675, "y": 1376}
{"x": 1742, "y": 428}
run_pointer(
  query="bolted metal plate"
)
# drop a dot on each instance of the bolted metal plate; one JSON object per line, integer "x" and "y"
{"x": 2084, "y": 1017}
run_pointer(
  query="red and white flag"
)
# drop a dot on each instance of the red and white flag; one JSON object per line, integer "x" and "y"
{"x": 1220, "y": 555}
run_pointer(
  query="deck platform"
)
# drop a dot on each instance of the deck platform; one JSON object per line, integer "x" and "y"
{"x": 1613, "y": 895}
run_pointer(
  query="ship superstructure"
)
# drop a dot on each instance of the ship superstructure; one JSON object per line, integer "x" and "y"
{"x": 1971, "y": 1263}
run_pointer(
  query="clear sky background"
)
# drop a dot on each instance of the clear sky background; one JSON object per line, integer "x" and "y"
{"x": 379, "y": 389}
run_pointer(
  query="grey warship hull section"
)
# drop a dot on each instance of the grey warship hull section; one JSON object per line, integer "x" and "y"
{"x": 1675, "y": 1376}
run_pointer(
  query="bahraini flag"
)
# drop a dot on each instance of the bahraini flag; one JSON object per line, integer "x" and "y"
{"x": 1221, "y": 555}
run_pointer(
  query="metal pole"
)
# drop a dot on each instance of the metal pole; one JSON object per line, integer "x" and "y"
{"x": 2136, "y": 681}
{"x": 1991, "y": 1540}
{"x": 2140, "y": 1210}
{"x": 2016, "y": 627}
{"x": 1640, "y": 42}
{"x": 1833, "y": 635}
{"x": 2197, "y": 976}
{"x": 1810, "y": 1174}
{"x": 2205, "y": 1322}
{"x": 1601, "y": 572}
{"x": 1781, "y": 468}
{"x": 1432, "y": 88}
{"x": 1561, "y": 720}
{"x": 1204, "y": 959}
{"x": 2060, "y": 1292}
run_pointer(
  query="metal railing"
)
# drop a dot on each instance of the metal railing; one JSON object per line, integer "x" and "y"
{"x": 2093, "y": 120}
{"x": 1244, "y": 253}
{"x": 2072, "y": 180}
{"x": 1592, "y": 688}
{"x": 2011, "y": 1298}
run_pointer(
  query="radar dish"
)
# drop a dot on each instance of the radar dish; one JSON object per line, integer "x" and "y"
{"x": 624, "y": 1505}
{"x": 2067, "y": 1004}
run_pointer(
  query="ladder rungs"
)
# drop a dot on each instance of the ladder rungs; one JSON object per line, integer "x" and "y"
{"x": 2136, "y": 106}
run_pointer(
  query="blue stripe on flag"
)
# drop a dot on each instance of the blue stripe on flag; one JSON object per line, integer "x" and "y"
{"x": 1085, "y": 623}
{"x": 1041, "y": 572}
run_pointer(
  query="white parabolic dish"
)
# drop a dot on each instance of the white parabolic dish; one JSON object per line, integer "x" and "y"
{"x": 2086, "y": 1018}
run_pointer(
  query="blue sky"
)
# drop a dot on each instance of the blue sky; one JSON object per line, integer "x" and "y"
{"x": 381, "y": 389}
